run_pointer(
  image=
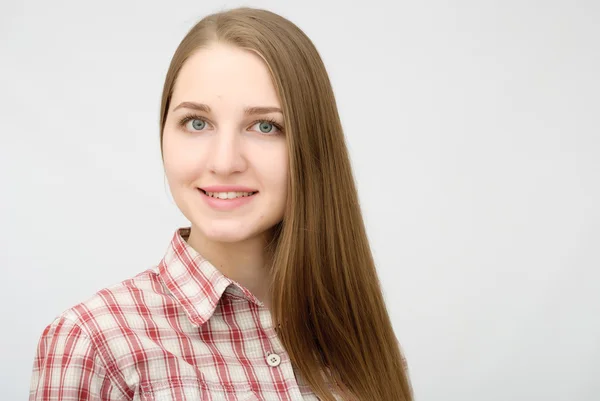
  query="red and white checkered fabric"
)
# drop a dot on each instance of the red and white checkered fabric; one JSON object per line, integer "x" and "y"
{"x": 180, "y": 331}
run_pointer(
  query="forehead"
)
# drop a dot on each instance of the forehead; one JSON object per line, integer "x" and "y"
{"x": 227, "y": 75}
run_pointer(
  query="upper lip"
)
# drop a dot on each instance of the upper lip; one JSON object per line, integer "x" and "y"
{"x": 227, "y": 188}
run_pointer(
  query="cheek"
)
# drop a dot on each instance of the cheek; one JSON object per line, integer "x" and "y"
{"x": 182, "y": 162}
{"x": 280, "y": 191}
{"x": 275, "y": 168}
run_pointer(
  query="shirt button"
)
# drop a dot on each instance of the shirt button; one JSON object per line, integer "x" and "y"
{"x": 273, "y": 360}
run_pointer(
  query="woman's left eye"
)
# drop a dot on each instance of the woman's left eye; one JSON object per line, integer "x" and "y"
{"x": 266, "y": 127}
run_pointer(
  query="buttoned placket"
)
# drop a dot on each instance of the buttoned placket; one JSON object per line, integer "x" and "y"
{"x": 277, "y": 357}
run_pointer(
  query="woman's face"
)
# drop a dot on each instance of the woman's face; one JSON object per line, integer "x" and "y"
{"x": 224, "y": 149}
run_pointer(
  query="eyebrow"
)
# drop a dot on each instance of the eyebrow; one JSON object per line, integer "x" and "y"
{"x": 247, "y": 111}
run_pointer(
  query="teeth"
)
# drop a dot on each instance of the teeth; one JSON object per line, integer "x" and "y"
{"x": 229, "y": 195}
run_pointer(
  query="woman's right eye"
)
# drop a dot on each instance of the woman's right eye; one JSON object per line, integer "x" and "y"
{"x": 195, "y": 124}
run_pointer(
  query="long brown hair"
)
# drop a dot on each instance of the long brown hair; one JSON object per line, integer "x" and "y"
{"x": 325, "y": 290}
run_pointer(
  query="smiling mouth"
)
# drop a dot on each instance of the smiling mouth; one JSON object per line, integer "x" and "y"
{"x": 228, "y": 195}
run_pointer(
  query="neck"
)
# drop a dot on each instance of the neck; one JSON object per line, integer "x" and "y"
{"x": 244, "y": 262}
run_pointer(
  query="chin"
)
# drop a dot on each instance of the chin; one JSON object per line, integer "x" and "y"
{"x": 227, "y": 238}
{"x": 227, "y": 232}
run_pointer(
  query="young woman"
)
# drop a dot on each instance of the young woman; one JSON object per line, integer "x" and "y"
{"x": 271, "y": 293}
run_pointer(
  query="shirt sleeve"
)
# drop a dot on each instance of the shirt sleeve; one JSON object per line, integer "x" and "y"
{"x": 67, "y": 367}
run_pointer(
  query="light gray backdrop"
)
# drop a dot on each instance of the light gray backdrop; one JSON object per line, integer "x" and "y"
{"x": 473, "y": 129}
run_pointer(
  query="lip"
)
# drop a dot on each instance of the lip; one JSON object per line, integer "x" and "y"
{"x": 228, "y": 188}
{"x": 226, "y": 204}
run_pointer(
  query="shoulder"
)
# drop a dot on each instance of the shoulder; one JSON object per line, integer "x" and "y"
{"x": 102, "y": 332}
{"x": 111, "y": 306}
{"x": 117, "y": 311}
{"x": 115, "y": 315}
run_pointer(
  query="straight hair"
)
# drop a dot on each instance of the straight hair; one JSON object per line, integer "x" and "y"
{"x": 327, "y": 300}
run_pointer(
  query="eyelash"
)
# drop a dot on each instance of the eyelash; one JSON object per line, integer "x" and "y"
{"x": 189, "y": 117}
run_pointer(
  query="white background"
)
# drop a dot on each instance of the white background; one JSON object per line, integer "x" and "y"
{"x": 475, "y": 138}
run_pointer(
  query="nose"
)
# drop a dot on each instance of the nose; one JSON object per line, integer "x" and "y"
{"x": 225, "y": 153}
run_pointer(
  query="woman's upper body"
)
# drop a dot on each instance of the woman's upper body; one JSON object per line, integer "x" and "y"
{"x": 179, "y": 331}
{"x": 255, "y": 158}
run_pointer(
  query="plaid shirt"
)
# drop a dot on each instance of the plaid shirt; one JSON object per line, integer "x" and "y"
{"x": 180, "y": 331}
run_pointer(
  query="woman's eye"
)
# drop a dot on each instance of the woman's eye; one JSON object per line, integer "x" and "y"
{"x": 196, "y": 124}
{"x": 266, "y": 127}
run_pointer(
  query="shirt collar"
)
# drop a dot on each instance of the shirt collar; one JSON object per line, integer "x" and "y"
{"x": 194, "y": 282}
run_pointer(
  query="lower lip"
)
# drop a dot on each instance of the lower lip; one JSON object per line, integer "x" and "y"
{"x": 226, "y": 204}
